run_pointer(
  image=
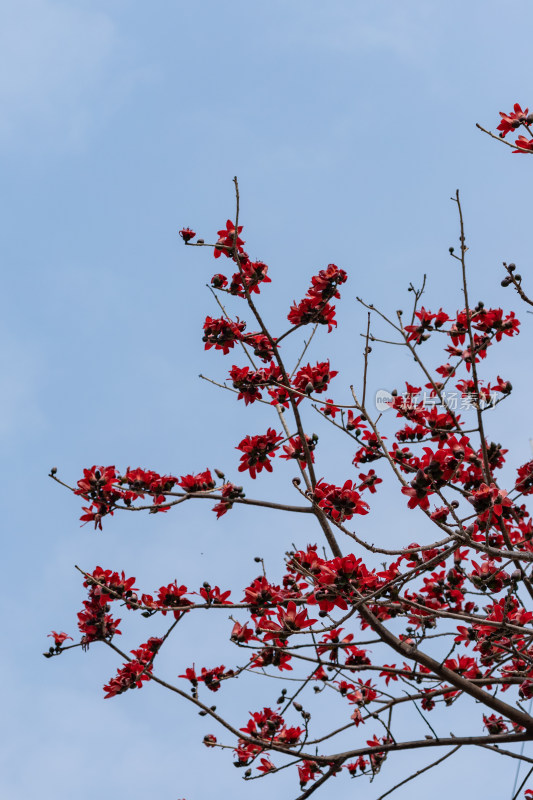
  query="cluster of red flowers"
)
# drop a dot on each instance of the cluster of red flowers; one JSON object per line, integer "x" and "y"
{"x": 105, "y": 488}
{"x": 257, "y": 452}
{"x": 251, "y": 274}
{"x": 210, "y": 677}
{"x": 135, "y": 672}
{"x": 426, "y": 322}
{"x": 222, "y": 333}
{"x": 230, "y": 493}
{"x": 484, "y": 544}
{"x": 339, "y": 503}
{"x": 94, "y": 622}
{"x": 315, "y": 306}
{"x": 306, "y": 381}
{"x": 512, "y": 121}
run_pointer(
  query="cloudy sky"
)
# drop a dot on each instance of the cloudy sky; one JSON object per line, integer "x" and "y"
{"x": 350, "y": 124}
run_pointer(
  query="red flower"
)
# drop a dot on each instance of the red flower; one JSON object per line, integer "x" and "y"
{"x": 95, "y": 624}
{"x": 339, "y": 503}
{"x": 289, "y": 621}
{"x": 248, "y": 382}
{"x": 241, "y": 633}
{"x": 59, "y": 638}
{"x": 489, "y": 499}
{"x": 96, "y": 481}
{"x": 171, "y": 597}
{"x": 272, "y": 657}
{"x": 261, "y": 344}
{"x": 214, "y": 596}
{"x": 197, "y": 483}
{"x": 230, "y": 492}
{"x": 252, "y": 273}
{"x": 187, "y": 234}
{"x": 418, "y": 490}
{"x": 509, "y": 122}
{"x": 369, "y": 481}
{"x": 313, "y": 379}
{"x": 227, "y": 240}
{"x": 213, "y": 677}
{"x": 496, "y": 724}
{"x": 222, "y": 333}
{"x": 257, "y": 450}
{"x": 219, "y": 281}
{"x": 309, "y": 771}
{"x": 295, "y": 449}
{"x": 426, "y": 322}
{"x": 524, "y": 145}
{"x": 524, "y": 482}
{"x": 134, "y": 673}
{"x": 310, "y": 309}
{"x": 266, "y": 765}
{"x": 330, "y": 409}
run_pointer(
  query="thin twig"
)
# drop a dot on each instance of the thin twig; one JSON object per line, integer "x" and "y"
{"x": 420, "y": 772}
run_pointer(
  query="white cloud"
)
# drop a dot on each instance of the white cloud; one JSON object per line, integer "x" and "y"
{"x": 53, "y": 59}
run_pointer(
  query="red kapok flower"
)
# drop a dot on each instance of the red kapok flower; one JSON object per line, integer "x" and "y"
{"x": 59, "y": 638}
{"x": 512, "y": 121}
{"x": 187, "y": 234}
{"x": 257, "y": 450}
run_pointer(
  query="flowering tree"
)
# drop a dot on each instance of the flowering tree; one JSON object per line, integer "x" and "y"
{"x": 443, "y": 621}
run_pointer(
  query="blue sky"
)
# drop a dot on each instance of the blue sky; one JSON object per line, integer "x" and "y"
{"x": 349, "y": 127}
